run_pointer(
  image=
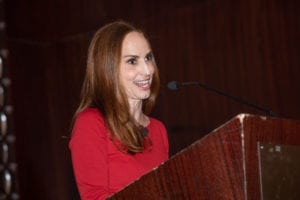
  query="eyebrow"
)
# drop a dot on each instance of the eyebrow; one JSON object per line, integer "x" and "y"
{"x": 136, "y": 56}
{"x": 131, "y": 56}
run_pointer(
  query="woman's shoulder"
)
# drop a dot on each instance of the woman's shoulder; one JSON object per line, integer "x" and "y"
{"x": 89, "y": 113}
{"x": 88, "y": 120}
{"x": 159, "y": 133}
{"x": 156, "y": 122}
{"x": 88, "y": 128}
{"x": 89, "y": 116}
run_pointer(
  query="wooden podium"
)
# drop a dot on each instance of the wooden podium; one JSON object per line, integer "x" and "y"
{"x": 222, "y": 165}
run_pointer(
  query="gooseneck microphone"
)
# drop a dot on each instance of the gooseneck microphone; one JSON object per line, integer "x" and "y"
{"x": 174, "y": 85}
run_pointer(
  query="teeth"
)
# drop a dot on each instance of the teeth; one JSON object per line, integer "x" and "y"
{"x": 142, "y": 82}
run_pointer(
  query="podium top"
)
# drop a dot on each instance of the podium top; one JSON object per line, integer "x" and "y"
{"x": 221, "y": 165}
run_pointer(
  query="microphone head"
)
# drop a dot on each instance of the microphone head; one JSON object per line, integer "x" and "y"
{"x": 173, "y": 85}
{"x": 144, "y": 131}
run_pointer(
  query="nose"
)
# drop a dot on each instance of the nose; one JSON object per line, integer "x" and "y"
{"x": 147, "y": 68}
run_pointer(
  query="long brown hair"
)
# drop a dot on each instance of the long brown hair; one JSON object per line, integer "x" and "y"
{"x": 101, "y": 88}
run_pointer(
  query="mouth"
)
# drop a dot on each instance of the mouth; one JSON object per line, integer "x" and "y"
{"x": 144, "y": 84}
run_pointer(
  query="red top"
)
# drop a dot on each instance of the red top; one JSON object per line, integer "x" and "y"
{"x": 100, "y": 168}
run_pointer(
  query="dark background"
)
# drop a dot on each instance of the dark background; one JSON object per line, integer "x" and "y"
{"x": 248, "y": 48}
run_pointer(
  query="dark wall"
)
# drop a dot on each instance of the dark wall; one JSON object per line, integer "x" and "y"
{"x": 247, "y": 48}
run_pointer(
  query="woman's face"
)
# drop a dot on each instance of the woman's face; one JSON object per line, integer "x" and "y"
{"x": 136, "y": 66}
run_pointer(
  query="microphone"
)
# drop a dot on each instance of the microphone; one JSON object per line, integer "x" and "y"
{"x": 174, "y": 85}
{"x": 144, "y": 131}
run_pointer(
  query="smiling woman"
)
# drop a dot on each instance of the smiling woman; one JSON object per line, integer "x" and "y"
{"x": 136, "y": 69}
{"x": 112, "y": 129}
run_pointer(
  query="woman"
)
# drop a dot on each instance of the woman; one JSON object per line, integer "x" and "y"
{"x": 114, "y": 141}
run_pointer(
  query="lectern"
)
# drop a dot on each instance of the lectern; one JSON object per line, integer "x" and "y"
{"x": 225, "y": 164}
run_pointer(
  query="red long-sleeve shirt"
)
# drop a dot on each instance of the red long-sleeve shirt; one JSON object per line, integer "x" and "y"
{"x": 100, "y": 168}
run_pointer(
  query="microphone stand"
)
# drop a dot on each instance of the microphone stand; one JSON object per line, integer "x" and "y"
{"x": 237, "y": 99}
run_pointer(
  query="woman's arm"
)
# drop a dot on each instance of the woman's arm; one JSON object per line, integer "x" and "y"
{"x": 88, "y": 147}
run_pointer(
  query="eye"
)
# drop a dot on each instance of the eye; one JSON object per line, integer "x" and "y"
{"x": 149, "y": 57}
{"x": 132, "y": 61}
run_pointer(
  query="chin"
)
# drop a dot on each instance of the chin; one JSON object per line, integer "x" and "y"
{"x": 145, "y": 96}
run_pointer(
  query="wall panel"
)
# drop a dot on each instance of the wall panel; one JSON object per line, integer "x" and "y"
{"x": 247, "y": 48}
